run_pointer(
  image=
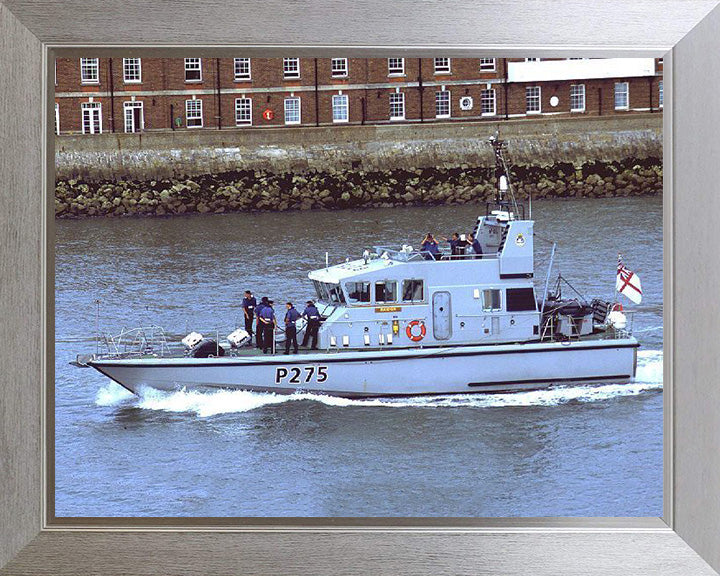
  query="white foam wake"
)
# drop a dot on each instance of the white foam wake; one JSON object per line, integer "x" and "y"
{"x": 206, "y": 404}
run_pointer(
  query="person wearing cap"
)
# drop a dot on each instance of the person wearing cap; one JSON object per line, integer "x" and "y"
{"x": 312, "y": 316}
{"x": 249, "y": 304}
{"x": 258, "y": 332}
{"x": 291, "y": 316}
{"x": 266, "y": 326}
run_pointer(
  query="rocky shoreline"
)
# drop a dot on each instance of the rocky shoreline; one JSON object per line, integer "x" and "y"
{"x": 256, "y": 190}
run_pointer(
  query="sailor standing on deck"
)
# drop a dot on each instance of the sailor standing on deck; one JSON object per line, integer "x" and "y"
{"x": 454, "y": 242}
{"x": 258, "y": 332}
{"x": 291, "y": 316}
{"x": 475, "y": 245}
{"x": 430, "y": 247}
{"x": 312, "y": 316}
{"x": 267, "y": 324}
{"x": 248, "y": 305}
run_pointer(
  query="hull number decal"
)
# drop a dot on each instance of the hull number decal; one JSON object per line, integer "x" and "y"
{"x": 295, "y": 375}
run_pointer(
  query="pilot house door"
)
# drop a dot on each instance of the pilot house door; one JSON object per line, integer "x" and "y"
{"x": 442, "y": 325}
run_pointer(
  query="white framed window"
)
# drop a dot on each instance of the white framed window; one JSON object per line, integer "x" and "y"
{"x": 660, "y": 93}
{"x": 243, "y": 111}
{"x": 622, "y": 96}
{"x": 340, "y": 108}
{"x": 386, "y": 291}
{"x": 442, "y": 104}
{"x": 242, "y": 69}
{"x": 397, "y": 106}
{"x": 193, "y": 70}
{"x": 291, "y": 67}
{"x": 339, "y": 67}
{"x": 396, "y": 66}
{"x": 491, "y": 300}
{"x": 292, "y": 110}
{"x": 91, "y": 117}
{"x": 57, "y": 118}
{"x": 487, "y": 102}
{"x": 577, "y": 97}
{"x": 89, "y": 71}
{"x": 442, "y": 65}
{"x": 134, "y": 116}
{"x": 487, "y": 64}
{"x": 132, "y": 71}
{"x": 532, "y": 100}
{"x": 193, "y": 113}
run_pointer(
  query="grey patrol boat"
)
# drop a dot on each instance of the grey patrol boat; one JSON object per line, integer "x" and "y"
{"x": 399, "y": 321}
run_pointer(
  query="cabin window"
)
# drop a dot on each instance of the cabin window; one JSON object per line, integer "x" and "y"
{"x": 412, "y": 291}
{"x": 358, "y": 291}
{"x": 520, "y": 300}
{"x": 491, "y": 300}
{"x": 321, "y": 291}
{"x": 386, "y": 291}
{"x": 336, "y": 294}
{"x": 329, "y": 292}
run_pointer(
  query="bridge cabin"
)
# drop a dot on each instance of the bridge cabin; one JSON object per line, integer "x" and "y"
{"x": 397, "y": 297}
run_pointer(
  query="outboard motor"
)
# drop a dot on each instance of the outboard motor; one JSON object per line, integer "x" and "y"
{"x": 207, "y": 348}
{"x": 238, "y": 338}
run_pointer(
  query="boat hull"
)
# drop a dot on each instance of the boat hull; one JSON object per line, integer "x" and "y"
{"x": 467, "y": 369}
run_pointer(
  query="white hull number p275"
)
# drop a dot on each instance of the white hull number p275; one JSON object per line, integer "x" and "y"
{"x": 304, "y": 375}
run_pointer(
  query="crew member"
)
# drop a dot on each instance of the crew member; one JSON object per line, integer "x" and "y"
{"x": 454, "y": 242}
{"x": 475, "y": 245}
{"x": 291, "y": 316}
{"x": 266, "y": 326}
{"x": 248, "y": 305}
{"x": 258, "y": 332}
{"x": 430, "y": 247}
{"x": 312, "y": 316}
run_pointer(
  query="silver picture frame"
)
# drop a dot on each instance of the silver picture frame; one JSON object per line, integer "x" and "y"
{"x": 686, "y": 540}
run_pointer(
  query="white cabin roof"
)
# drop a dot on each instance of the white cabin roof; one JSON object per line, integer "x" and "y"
{"x": 338, "y": 272}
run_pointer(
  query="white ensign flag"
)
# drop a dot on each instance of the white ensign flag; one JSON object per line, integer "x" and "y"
{"x": 628, "y": 283}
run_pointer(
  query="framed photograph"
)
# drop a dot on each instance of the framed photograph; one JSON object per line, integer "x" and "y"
{"x": 56, "y": 525}
{"x": 485, "y": 345}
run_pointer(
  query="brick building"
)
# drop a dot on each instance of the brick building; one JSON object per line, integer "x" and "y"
{"x": 94, "y": 95}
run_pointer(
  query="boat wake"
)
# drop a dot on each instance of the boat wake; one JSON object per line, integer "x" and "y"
{"x": 205, "y": 404}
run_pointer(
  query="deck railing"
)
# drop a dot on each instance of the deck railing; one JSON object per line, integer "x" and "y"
{"x": 409, "y": 254}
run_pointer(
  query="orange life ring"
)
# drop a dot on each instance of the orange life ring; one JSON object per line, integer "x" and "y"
{"x": 415, "y": 337}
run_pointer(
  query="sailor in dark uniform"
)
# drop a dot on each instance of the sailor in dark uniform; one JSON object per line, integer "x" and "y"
{"x": 266, "y": 326}
{"x": 475, "y": 245}
{"x": 430, "y": 248}
{"x": 248, "y": 305}
{"x": 312, "y": 316}
{"x": 291, "y": 316}
{"x": 258, "y": 332}
{"x": 454, "y": 241}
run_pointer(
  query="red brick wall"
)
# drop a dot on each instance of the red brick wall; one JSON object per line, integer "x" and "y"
{"x": 367, "y": 103}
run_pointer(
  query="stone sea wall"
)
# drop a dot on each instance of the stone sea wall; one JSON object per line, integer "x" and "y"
{"x": 259, "y": 190}
{"x": 343, "y": 167}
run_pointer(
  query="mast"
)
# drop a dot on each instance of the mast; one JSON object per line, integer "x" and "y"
{"x": 502, "y": 174}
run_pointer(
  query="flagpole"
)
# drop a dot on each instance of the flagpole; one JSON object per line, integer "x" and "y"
{"x": 617, "y": 298}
